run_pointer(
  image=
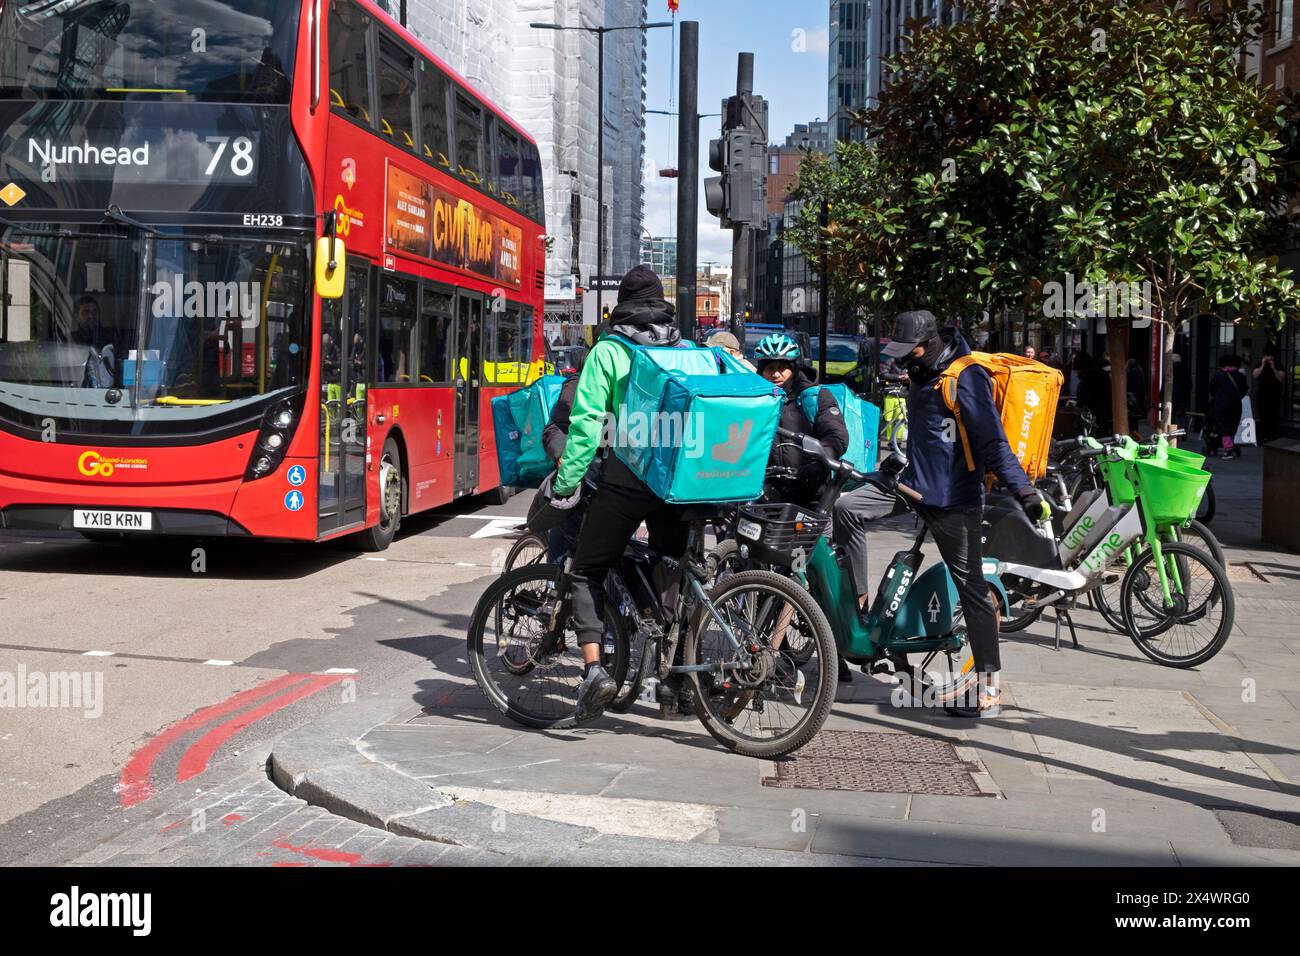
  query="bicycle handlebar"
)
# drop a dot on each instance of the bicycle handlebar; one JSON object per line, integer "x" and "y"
{"x": 879, "y": 479}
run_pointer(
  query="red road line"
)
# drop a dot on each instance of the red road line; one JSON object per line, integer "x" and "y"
{"x": 133, "y": 784}
{"x": 195, "y": 760}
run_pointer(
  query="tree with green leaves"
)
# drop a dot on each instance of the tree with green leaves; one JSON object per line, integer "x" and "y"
{"x": 1036, "y": 147}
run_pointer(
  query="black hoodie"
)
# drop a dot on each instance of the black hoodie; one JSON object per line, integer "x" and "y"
{"x": 646, "y": 322}
{"x": 828, "y": 427}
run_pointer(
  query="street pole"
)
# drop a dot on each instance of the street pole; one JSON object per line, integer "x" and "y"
{"x": 823, "y": 305}
{"x": 600, "y": 153}
{"x": 688, "y": 175}
{"x": 742, "y": 252}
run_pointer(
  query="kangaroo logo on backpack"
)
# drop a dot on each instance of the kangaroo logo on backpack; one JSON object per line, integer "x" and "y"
{"x": 729, "y": 451}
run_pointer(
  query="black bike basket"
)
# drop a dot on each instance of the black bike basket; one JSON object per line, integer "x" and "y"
{"x": 779, "y": 533}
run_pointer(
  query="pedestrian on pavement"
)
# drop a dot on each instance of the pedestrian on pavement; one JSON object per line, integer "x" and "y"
{"x": 729, "y": 344}
{"x": 1135, "y": 384}
{"x": 1269, "y": 381}
{"x": 1030, "y": 352}
{"x": 952, "y": 494}
{"x": 1228, "y": 387}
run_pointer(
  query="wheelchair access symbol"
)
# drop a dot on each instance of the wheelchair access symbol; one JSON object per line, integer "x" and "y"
{"x": 297, "y": 475}
{"x": 293, "y": 500}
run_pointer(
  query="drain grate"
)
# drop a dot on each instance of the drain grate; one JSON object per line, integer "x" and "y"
{"x": 878, "y": 763}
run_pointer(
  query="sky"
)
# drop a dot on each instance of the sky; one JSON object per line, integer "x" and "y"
{"x": 788, "y": 39}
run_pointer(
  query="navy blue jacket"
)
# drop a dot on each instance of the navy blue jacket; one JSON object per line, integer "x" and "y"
{"x": 937, "y": 466}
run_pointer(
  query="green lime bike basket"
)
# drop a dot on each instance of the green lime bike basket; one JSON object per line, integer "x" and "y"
{"x": 1171, "y": 492}
{"x": 1181, "y": 456}
{"x": 1115, "y": 473}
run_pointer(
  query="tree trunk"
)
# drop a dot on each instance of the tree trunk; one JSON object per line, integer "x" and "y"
{"x": 1117, "y": 349}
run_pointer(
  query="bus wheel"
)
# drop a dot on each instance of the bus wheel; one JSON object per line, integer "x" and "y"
{"x": 390, "y": 501}
{"x": 498, "y": 495}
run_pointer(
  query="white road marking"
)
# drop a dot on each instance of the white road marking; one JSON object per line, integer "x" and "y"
{"x": 498, "y": 526}
{"x": 220, "y": 663}
{"x": 466, "y": 564}
{"x": 99, "y": 654}
{"x": 376, "y": 559}
{"x": 625, "y": 816}
{"x": 341, "y": 670}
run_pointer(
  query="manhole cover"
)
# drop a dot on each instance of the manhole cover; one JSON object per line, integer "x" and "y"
{"x": 882, "y": 763}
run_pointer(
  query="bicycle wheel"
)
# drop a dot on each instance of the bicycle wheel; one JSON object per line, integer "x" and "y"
{"x": 528, "y": 673}
{"x": 1105, "y": 597}
{"x": 528, "y": 550}
{"x": 1193, "y": 625}
{"x": 1198, "y": 535}
{"x": 775, "y": 705}
{"x": 724, "y": 561}
{"x": 1020, "y": 616}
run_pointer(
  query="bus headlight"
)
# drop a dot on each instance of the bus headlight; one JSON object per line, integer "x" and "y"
{"x": 272, "y": 440}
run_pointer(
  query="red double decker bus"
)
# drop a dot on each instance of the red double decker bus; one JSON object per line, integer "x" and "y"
{"x": 172, "y": 360}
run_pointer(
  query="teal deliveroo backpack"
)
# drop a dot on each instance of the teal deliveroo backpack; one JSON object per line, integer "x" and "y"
{"x": 517, "y": 421}
{"x": 696, "y": 425}
{"x": 861, "y": 418}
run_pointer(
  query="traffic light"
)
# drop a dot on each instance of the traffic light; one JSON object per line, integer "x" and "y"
{"x": 604, "y": 314}
{"x": 716, "y": 188}
{"x": 739, "y": 196}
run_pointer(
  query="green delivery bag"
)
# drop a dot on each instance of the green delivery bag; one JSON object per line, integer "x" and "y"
{"x": 696, "y": 425}
{"x": 860, "y": 417}
{"x": 518, "y": 420}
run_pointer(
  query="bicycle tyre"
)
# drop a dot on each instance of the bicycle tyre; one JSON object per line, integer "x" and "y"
{"x": 1185, "y": 554}
{"x": 544, "y": 578}
{"x": 828, "y": 666}
{"x": 530, "y": 541}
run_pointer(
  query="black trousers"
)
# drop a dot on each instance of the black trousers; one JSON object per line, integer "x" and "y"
{"x": 622, "y": 502}
{"x": 851, "y": 517}
{"x": 958, "y": 534}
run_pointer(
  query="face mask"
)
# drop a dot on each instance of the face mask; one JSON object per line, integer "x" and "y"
{"x": 930, "y": 358}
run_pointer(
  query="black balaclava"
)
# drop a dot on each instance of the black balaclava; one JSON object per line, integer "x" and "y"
{"x": 934, "y": 350}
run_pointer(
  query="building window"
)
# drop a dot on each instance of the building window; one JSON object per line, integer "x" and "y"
{"x": 1282, "y": 26}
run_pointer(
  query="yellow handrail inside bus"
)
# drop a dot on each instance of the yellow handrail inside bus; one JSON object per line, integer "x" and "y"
{"x": 336, "y": 99}
{"x": 324, "y": 408}
{"x": 173, "y": 400}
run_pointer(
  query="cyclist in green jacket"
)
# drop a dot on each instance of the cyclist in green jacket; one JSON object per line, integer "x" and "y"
{"x": 622, "y": 501}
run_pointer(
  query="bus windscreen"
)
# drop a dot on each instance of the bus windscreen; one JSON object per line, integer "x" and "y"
{"x": 207, "y": 50}
{"x": 216, "y": 327}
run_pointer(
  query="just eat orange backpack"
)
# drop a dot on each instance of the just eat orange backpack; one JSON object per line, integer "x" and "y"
{"x": 1025, "y": 392}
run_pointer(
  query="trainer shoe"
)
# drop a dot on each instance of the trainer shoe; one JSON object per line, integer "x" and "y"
{"x": 990, "y": 705}
{"x": 595, "y": 692}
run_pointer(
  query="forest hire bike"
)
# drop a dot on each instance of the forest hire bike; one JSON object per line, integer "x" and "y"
{"x": 734, "y": 643}
{"x": 1174, "y": 599}
{"x": 913, "y": 612}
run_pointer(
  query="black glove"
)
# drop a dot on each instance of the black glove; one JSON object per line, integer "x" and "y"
{"x": 1035, "y": 505}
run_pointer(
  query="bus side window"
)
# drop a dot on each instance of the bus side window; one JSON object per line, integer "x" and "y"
{"x": 436, "y": 310}
{"x": 397, "y": 301}
{"x": 434, "y": 147}
{"x": 505, "y": 346}
{"x": 396, "y": 94}
{"x": 469, "y": 139}
{"x": 530, "y": 186}
{"x": 349, "y": 64}
{"x": 507, "y": 166}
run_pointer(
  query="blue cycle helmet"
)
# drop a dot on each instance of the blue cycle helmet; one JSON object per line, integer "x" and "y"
{"x": 777, "y": 347}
